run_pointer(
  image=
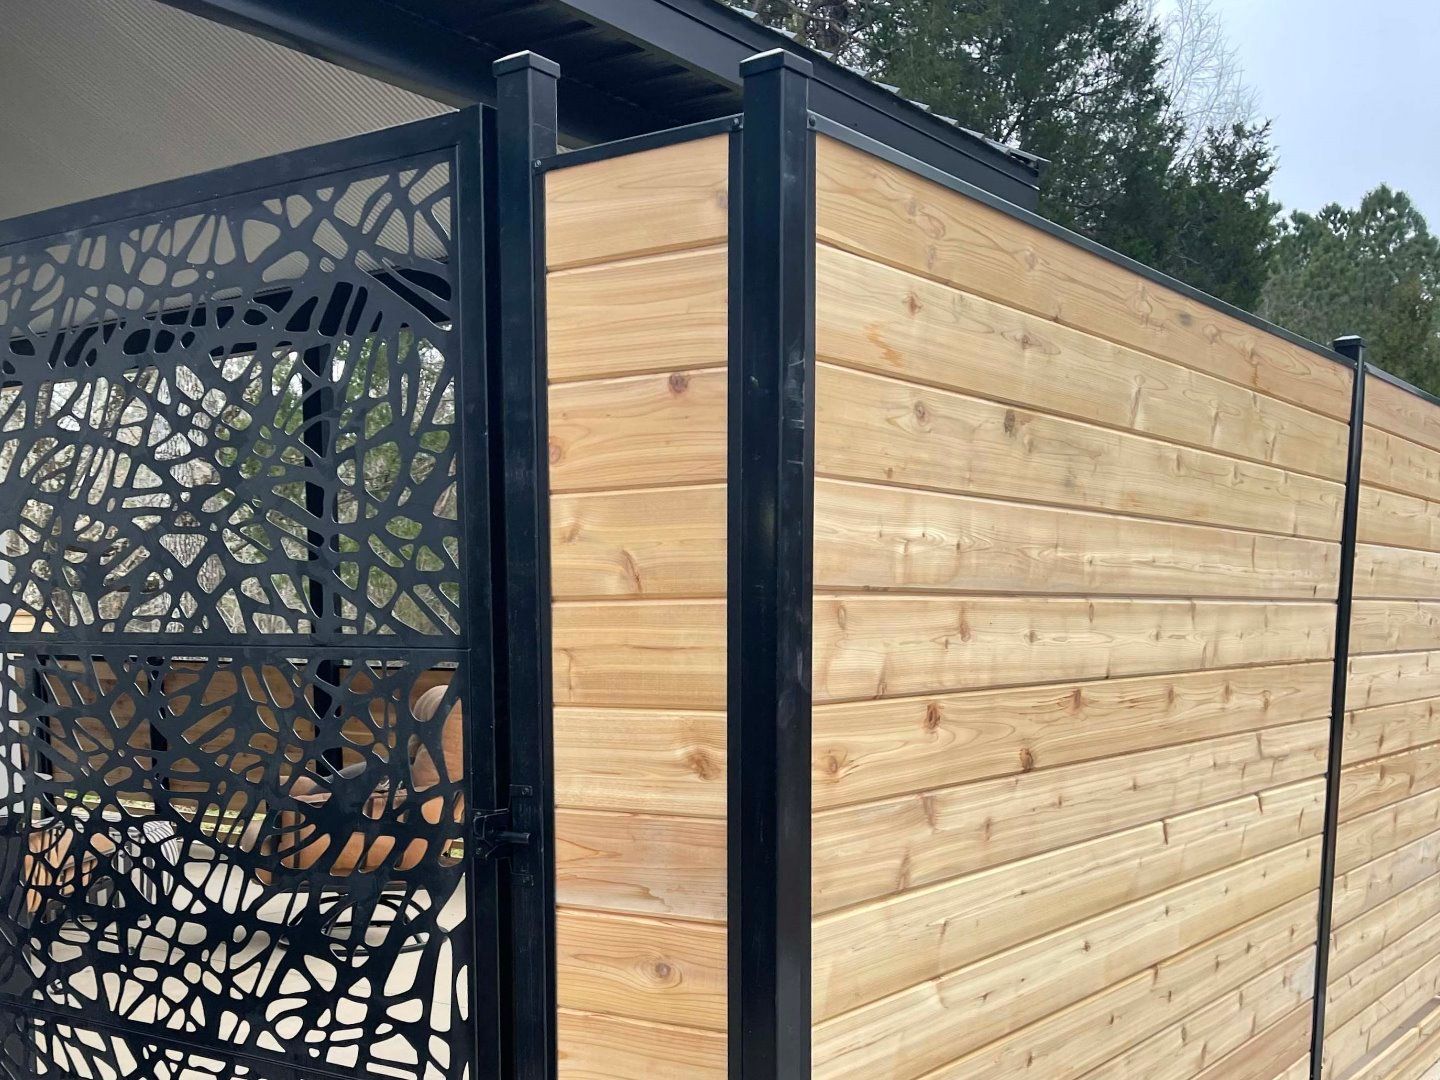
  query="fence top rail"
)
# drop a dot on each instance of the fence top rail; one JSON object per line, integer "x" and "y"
{"x": 826, "y": 126}
{"x": 420, "y": 137}
{"x": 636, "y": 144}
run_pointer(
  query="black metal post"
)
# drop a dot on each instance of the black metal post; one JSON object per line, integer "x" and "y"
{"x": 474, "y": 281}
{"x": 526, "y": 127}
{"x": 771, "y": 497}
{"x": 1352, "y": 348}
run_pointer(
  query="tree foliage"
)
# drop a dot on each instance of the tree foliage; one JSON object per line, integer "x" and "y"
{"x": 1374, "y": 271}
{"x": 1093, "y": 86}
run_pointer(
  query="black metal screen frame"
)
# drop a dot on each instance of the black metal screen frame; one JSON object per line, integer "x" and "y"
{"x": 494, "y": 967}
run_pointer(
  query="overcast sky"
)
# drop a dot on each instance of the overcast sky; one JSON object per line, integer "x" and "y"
{"x": 1354, "y": 90}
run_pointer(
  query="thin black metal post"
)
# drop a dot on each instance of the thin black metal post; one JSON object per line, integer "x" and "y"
{"x": 1352, "y": 348}
{"x": 473, "y": 277}
{"x": 771, "y": 485}
{"x": 526, "y": 128}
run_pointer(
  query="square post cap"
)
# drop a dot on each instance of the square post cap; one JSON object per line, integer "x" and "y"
{"x": 522, "y": 61}
{"x": 1350, "y": 346}
{"x": 775, "y": 58}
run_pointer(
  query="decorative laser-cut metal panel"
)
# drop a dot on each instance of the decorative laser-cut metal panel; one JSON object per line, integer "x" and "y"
{"x": 247, "y": 851}
{"x": 40, "y": 1048}
{"x": 210, "y": 418}
{"x": 246, "y": 717}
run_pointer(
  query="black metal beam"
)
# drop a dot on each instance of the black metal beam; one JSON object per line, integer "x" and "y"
{"x": 526, "y": 133}
{"x": 771, "y": 526}
{"x": 1353, "y": 349}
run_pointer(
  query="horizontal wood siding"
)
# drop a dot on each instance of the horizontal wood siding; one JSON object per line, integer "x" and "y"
{"x": 1384, "y": 992}
{"x": 1076, "y": 560}
{"x": 637, "y": 349}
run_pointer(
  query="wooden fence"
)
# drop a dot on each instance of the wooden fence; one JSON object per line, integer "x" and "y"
{"x": 1078, "y": 546}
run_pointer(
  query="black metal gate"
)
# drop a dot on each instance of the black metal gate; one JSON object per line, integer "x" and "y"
{"x": 248, "y": 680}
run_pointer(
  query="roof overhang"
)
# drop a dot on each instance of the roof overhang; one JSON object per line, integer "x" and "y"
{"x": 629, "y": 67}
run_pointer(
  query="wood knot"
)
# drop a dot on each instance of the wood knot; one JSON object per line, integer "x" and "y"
{"x": 701, "y": 764}
{"x": 921, "y": 413}
{"x": 555, "y": 452}
{"x": 1027, "y": 759}
{"x": 679, "y": 382}
{"x": 1011, "y": 421}
{"x": 912, "y": 304}
{"x": 933, "y": 716}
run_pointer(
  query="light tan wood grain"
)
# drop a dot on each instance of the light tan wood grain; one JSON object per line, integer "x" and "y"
{"x": 598, "y": 1047}
{"x": 874, "y": 428}
{"x": 648, "y": 654}
{"x": 1269, "y": 1053}
{"x": 1359, "y": 939}
{"x": 1225, "y": 1026}
{"x": 1394, "y": 626}
{"x": 640, "y": 863}
{"x": 656, "y": 314}
{"x": 1396, "y": 572}
{"x": 887, "y": 646}
{"x": 881, "y": 210}
{"x": 868, "y": 536}
{"x": 1373, "y": 733}
{"x": 655, "y": 542}
{"x": 927, "y": 1026}
{"x": 872, "y": 749}
{"x": 1379, "y": 975}
{"x": 659, "y": 970}
{"x": 1412, "y": 1055}
{"x": 1369, "y": 785}
{"x": 642, "y": 760}
{"x": 1389, "y": 517}
{"x": 863, "y": 953}
{"x": 1078, "y": 1038}
{"x": 1402, "y": 413}
{"x": 1348, "y": 1043}
{"x": 877, "y": 318}
{"x": 884, "y": 848}
{"x": 1364, "y": 887}
{"x": 665, "y": 199}
{"x": 637, "y": 349}
{"x": 1396, "y": 463}
{"x": 1372, "y": 835}
{"x": 638, "y": 431}
{"x": 1386, "y": 678}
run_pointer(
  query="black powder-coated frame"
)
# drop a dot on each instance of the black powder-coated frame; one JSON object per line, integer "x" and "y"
{"x": 771, "y": 525}
{"x": 1353, "y": 349}
{"x": 526, "y": 133}
{"x": 506, "y": 619}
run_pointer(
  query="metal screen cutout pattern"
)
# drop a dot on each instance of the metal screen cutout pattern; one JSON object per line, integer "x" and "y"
{"x": 236, "y": 685}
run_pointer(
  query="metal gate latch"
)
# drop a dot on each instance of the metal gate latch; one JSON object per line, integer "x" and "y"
{"x": 495, "y": 833}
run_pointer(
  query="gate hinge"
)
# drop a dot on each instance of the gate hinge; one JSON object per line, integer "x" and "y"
{"x": 501, "y": 834}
